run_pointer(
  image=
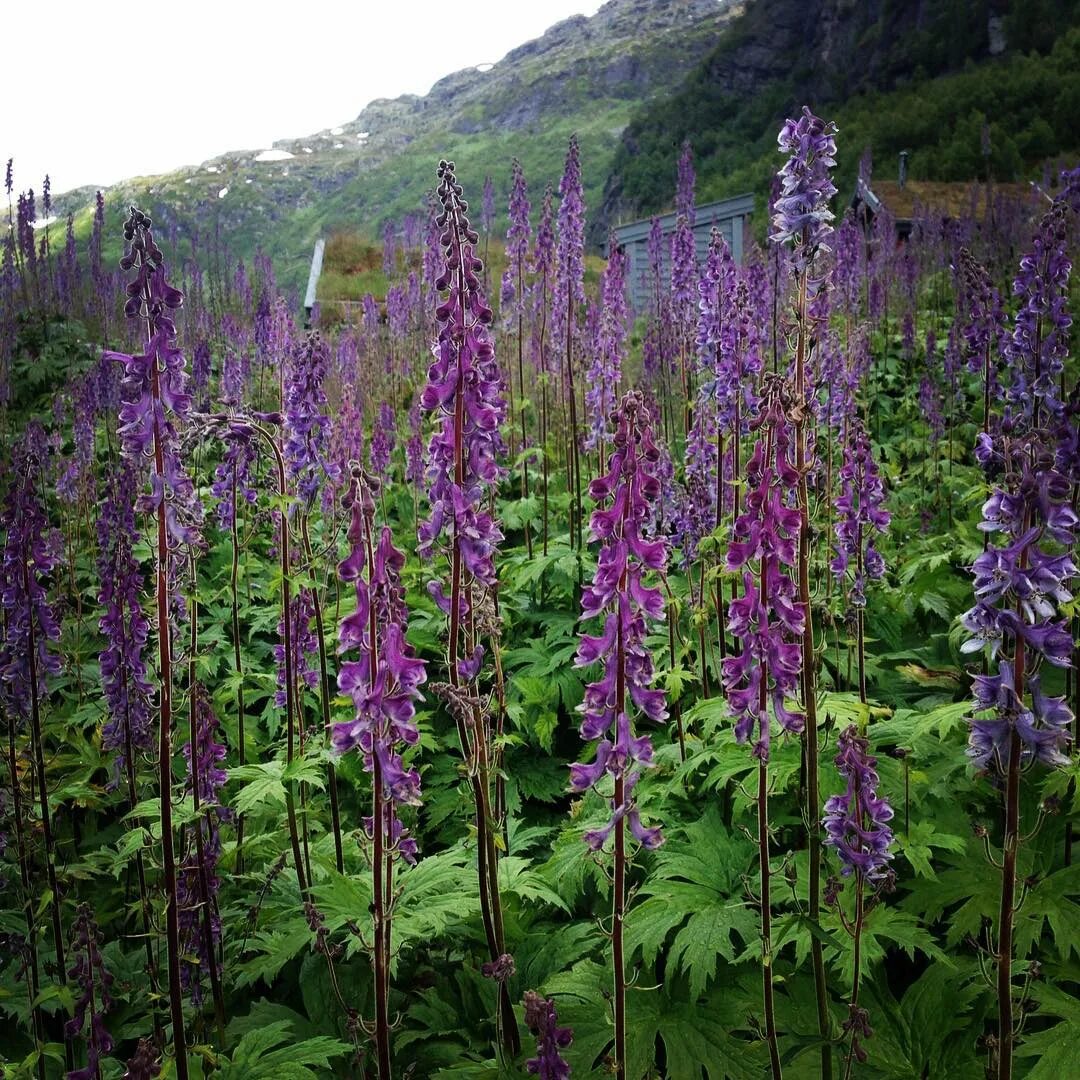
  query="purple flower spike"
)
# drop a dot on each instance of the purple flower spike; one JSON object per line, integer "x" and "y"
{"x": 801, "y": 212}
{"x": 543, "y": 1021}
{"x": 465, "y": 393}
{"x": 618, "y": 592}
{"x": 861, "y": 511}
{"x": 197, "y": 881}
{"x": 307, "y": 427}
{"x": 31, "y": 553}
{"x": 94, "y": 983}
{"x": 767, "y": 619}
{"x": 857, "y": 822}
{"x": 605, "y": 374}
{"x": 570, "y": 277}
{"x": 127, "y": 689}
{"x": 385, "y": 677}
{"x": 155, "y": 397}
{"x": 143, "y": 1064}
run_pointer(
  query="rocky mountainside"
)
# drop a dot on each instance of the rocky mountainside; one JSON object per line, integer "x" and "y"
{"x": 920, "y": 75}
{"x": 584, "y": 75}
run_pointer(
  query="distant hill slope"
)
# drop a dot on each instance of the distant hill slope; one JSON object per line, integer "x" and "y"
{"x": 917, "y": 75}
{"x": 585, "y": 74}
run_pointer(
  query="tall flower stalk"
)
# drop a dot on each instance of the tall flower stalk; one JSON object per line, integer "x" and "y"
{"x": 619, "y": 593}
{"x": 307, "y": 455}
{"x": 155, "y": 402}
{"x": 861, "y": 512}
{"x": 128, "y": 692}
{"x": 464, "y": 392}
{"x": 518, "y": 236}
{"x": 31, "y": 554}
{"x": 857, "y": 829}
{"x": 802, "y": 217}
{"x": 384, "y": 684}
{"x": 543, "y": 269}
{"x": 768, "y": 621}
{"x": 94, "y": 982}
{"x": 1022, "y": 581}
{"x": 568, "y": 298}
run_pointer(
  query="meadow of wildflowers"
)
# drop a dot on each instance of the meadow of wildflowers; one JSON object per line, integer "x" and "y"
{"x": 491, "y": 680}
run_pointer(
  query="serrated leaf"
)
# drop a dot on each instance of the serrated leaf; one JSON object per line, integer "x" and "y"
{"x": 695, "y": 887}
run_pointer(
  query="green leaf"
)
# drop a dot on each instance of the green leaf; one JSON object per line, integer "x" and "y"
{"x": 516, "y": 877}
{"x": 918, "y": 845}
{"x": 263, "y": 788}
{"x": 695, "y": 888}
{"x": 256, "y": 1059}
{"x": 697, "y": 1039}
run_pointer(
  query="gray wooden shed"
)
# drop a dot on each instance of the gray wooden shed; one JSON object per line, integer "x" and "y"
{"x": 728, "y": 215}
{"x": 313, "y": 280}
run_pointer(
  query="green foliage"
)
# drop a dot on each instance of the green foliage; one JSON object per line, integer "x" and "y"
{"x": 260, "y": 1055}
{"x": 892, "y": 81}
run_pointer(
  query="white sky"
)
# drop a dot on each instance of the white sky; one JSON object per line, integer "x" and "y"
{"x": 235, "y": 74}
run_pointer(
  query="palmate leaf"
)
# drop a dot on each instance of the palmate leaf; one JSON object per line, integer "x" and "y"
{"x": 918, "y": 844}
{"x": 1049, "y": 904}
{"x": 696, "y": 888}
{"x": 1054, "y": 1049}
{"x": 548, "y": 949}
{"x": 256, "y": 1059}
{"x": 926, "y": 1032}
{"x": 273, "y": 949}
{"x": 518, "y": 879}
{"x": 884, "y": 927}
{"x": 264, "y": 1012}
{"x": 698, "y": 1040}
{"x": 569, "y": 867}
{"x": 438, "y": 893}
{"x": 975, "y": 886}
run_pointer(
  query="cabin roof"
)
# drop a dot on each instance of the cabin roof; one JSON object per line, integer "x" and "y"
{"x": 705, "y": 215}
{"x": 952, "y": 198}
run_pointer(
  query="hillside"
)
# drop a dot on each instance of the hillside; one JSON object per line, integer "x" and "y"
{"x": 584, "y": 74}
{"x": 896, "y": 75}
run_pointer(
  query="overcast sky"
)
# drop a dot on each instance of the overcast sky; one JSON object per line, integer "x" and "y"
{"x": 81, "y": 101}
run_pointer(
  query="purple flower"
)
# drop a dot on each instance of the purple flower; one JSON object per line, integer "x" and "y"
{"x": 154, "y": 387}
{"x": 197, "y": 881}
{"x": 1038, "y": 346}
{"x": 305, "y": 645}
{"x": 543, "y": 269}
{"x": 628, "y": 605}
{"x": 767, "y": 619}
{"x": 94, "y": 999}
{"x": 801, "y": 212}
{"x": 570, "y": 253}
{"x": 414, "y": 449}
{"x": 464, "y": 392}
{"x": 307, "y": 427}
{"x": 857, "y": 822}
{"x": 385, "y": 678}
{"x": 605, "y": 373}
{"x": 543, "y": 1021}
{"x": 382, "y": 443}
{"x": 31, "y": 553}
{"x": 389, "y": 258}
{"x": 518, "y": 235}
{"x": 233, "y": 474}
{"x": 1023, "y": 578}
{"x": 684, "y": 284}
{"x": 127, "y": 690}
{"x": 143, "y": 1064}
{"x": 860, "y": 507}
